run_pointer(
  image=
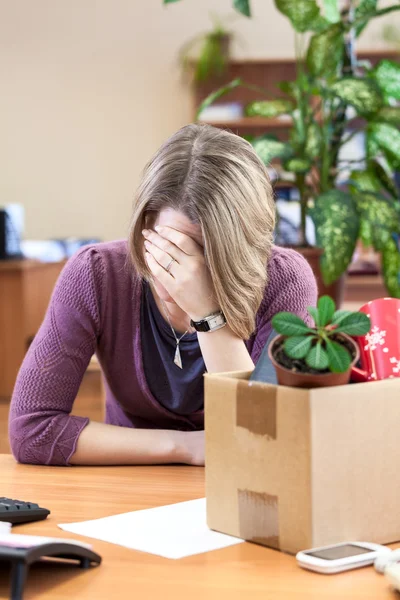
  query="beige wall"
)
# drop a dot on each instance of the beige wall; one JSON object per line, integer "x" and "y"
{"x": 90, "y": 88}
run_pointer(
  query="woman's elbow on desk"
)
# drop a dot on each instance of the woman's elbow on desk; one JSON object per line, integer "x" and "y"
{"x": 44, "y": 438}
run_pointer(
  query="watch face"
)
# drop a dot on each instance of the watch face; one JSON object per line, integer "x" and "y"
{"x": 214, "y": 322}
{"x": 209, "y": 323}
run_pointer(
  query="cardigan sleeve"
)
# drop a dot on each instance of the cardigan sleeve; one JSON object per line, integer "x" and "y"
{"x": 291, "y": 287}
{"x": 41, "y": 429}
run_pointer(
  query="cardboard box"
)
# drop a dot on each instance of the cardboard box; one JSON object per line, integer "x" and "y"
{"x": 294, "y": 469}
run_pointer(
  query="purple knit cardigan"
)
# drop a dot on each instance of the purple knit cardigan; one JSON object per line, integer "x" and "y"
{"x": 95, "y": 308}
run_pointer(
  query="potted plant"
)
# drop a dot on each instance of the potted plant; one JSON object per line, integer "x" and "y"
{"x": 206, "y": 56}
{"x": 334, "y": 98}
{"x": 317, "y": 356}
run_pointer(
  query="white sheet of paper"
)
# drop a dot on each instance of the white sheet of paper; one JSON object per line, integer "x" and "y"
{"x": 172, "y": 531}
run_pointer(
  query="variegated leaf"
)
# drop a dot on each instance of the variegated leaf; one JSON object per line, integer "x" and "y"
{"x": 268, "y": 148}
{"x": 379, "y": 216}
{"x": 337, "y": 224}
{"x": 297, "y": 165}
{"x": 389, "y": 114}
{"x": 300, "y": 12}
{"x": 391, "y": 266}
{"x": 325, "y": 51}
{"x": 269, "y": 108}
{"x": 331, "y": 10}
{"x": 387, "y": 76}
{"x": 363, "y": 94}
{"x": 387, "y": 138}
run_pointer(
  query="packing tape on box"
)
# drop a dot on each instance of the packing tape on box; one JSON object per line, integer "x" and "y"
{"x": 256, "y": 408}
{"x": 256, "y": 411}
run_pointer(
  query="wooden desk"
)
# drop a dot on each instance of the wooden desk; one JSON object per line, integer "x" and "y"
{"x": 237, "y": 573}
{"x": 25, "y": 290}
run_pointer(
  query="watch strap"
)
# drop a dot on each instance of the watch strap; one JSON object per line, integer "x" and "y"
{"x": 213, "y": 322}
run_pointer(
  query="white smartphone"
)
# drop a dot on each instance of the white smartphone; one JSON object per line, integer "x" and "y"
{"x": 340, "y": 557}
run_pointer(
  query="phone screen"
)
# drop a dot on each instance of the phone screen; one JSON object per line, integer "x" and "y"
{"x": 336, "y": 552}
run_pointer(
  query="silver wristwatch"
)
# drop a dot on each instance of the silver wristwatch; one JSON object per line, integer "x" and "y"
{"x": 211, "y": 323}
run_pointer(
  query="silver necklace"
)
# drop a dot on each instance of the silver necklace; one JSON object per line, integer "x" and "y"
{"x": 177, "y": 357}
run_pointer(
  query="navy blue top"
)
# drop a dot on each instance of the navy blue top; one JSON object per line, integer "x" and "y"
{"x": 178, "y": 390}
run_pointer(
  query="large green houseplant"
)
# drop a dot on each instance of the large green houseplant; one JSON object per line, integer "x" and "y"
{"x": 330, "y": 83}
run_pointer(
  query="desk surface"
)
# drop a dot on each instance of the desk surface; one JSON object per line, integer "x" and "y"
{"x": 240, "y": 572}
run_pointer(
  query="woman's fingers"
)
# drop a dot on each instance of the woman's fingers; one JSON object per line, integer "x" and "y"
{"x": 163, "y": 245}
{"x": 163, "y": 258}
{"x": 180, "y": 240}
{"x": 159, "y": 272}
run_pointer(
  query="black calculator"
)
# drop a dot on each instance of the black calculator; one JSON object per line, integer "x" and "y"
{"x": 19, "y": 511}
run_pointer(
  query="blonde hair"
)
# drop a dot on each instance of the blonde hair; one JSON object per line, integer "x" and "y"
{"x": 216, "y": 180}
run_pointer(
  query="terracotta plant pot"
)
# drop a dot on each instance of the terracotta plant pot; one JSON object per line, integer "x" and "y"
{"x": 310, "y": 380}
{"x": 336, "y": 289}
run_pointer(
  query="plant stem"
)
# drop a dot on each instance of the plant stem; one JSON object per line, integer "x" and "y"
{"x": 301, "y": 186}
{"x": 348, "y": 68}
{"x": 325, "y": 158}
{"x": 256, "y": 88}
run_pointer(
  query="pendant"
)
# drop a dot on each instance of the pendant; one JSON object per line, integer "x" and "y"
{"x": 177, "y": 358}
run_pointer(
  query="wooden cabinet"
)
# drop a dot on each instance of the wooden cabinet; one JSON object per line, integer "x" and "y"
{"x": 25, "y": 290}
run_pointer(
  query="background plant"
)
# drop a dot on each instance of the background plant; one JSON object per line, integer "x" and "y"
{"x": 212, "y": 52}
{"x": 330, "y": 83}
{"x": 316, "y": 345}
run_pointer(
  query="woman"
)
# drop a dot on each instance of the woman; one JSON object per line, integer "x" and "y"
{"x": 199, "y": 256}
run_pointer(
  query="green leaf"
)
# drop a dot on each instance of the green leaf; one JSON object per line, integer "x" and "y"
{"x": 387, "y": 76}
{"x": 360, "y": 22}
{"x": 331, "y": 10}
{"x": 385, "y": 178}
{"x": 267, "y": 148}
{"x": 339, "y": 316}
{"x": 389, "y": 114}
{"x": 288, "y": 87}
{"x": 269, "y": 108}
{"x": 218, "y": 94}
{"x": 314, "y": 313}
{"x": 297, "y": 165}
{"x": 391, "y": 268}
{"x": 356, "y": 323}
{"x": 363, "y": 13}
{"x": 364, "y": 181}
{"x": 326, "y": 309}
{"x": 339, "y": 357}
{"x": 319, "y": 25}
{"x": 313, "y": 141}
{"x": 301, "y": 13}
{"x": 317, "y": 358}
{"x": 337, "y": 224}
{"x": 287, "y": 323}
{"x": 371, "y": 147}
{"x": 325, "y": 51}
{"x": 170, "y": 1}
{"x": 242, "y": 6}
{"x": 363, "y": 94}
{"x": 298, "y": 346}
{"x": 380, "y": 217}
{"x": 387, "y": 138}
{"x": 211, "y": 60}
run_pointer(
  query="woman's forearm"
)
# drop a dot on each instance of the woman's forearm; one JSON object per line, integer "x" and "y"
{"x": 102, "y": 444}
{"x": 223, "y": 351}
